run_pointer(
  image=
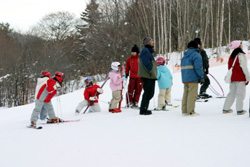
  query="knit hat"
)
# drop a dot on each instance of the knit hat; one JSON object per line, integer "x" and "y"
{"x": 234, "y": 44}
{"x": 135, "y": 49}
{"x": 193, "y": 44}
{"x": 198, "y": 40}
{"x": 146, "y": 41}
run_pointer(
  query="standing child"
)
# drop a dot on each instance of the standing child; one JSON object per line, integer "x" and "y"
{"x": 44, "y": 96}
{"x": 164, "y": 78}
{"x": 45, "y": 76}
{"x": 91, "y": 96}
{"x": 116, "y": 87}
{"x": 135, "y": 82}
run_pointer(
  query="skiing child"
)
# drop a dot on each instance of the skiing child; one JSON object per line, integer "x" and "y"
{"x": 43, "y": 98}
{"x": 91, "y": 96}
{"x": 45, "y": 75}
{"x": 164, "y": 78}
{"x": 116, "y": 87}
{"x": 135, "y": 82}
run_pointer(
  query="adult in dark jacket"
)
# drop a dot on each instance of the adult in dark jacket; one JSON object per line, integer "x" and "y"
{"x": 192, "y": 74}
{"x": 135, "y": 82}
{"x": 148, "y": 73}
{"x": 205, "y": 67}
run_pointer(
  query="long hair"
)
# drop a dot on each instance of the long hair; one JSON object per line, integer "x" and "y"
{"x": 236, "y": 52}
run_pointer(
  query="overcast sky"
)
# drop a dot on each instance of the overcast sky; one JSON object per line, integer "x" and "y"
{"x": 22, "y": 14}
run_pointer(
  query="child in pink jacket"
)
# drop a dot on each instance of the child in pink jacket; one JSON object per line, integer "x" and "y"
{"x": 116, "y": 87}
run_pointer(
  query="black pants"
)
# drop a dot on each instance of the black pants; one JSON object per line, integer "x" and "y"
{"x": 206, "y": 84}
{"x": 149, "y": 90}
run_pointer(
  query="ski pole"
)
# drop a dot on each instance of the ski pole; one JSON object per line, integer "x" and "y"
{"x": 127, "y": 93}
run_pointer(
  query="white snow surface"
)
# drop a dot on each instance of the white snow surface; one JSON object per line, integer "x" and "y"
{"x": 127, "y": 139}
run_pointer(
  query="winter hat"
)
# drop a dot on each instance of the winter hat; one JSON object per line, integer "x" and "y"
{"x": 193, "y": 44}
{"x": 234, "y": 44}
{"x": 160, "y": 61}
{"x": 146, "y": 41}
{"x": 45, "y": 74}
{"x": 115, "y": 66}
{"x": 59, "y": 77}
{"x": 135, "y": 49}
{"x": 198, "y": 40}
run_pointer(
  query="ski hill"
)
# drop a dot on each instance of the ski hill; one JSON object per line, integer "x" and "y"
{"x": 127, "y": 139}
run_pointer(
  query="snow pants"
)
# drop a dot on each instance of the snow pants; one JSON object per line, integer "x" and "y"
{"x": 134, "y": 90}
{"x": 189, "y": 97}
{"x": 237, "y": 91}
{"x": 164, "y": 94}
{"x": 38, "y": 107}
{"x": 116, "y": 98}
{"x": 206, "y": 84}
{"x": 149, "y": 91}
{"x": 84, "y": 103}
{"x": 43, "y": 113}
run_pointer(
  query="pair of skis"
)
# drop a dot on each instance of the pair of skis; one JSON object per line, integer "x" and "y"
{"x": 63, "y": 121}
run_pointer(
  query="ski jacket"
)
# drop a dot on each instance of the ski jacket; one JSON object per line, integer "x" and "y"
{"x": 47, "y": 91}
{"x": 91, "y": 92}
{"x": 205, "y": 60}
{"x": 132, "y": 66}
{"x": 115, "y": 80}
{"x": 191, "y": 66}
{"x": 164, "y": 77}
{"x": 40, "y": 83}
{"x": 240, "y": 70}
{"x": 147, "y": 64}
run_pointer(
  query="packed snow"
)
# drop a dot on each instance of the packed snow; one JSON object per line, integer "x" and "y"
{"x": 127, "y": 139}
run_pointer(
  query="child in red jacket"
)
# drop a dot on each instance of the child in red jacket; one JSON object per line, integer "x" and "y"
{"x": 44, "y": 94}
{"x": 91, "y": 96}
{"x": 135, "y": 82}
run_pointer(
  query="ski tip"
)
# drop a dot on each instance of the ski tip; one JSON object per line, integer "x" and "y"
{"x": 34, "y": 127}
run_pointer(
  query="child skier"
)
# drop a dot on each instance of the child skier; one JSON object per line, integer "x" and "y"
{"x": 43, "y": 98}
{"x": 91, "y": 96}
{"x": 135, "y": 82}
{"x": 164, "y": 78}
{"x": 116, "y": 87}
{"x": 45, "y": 76}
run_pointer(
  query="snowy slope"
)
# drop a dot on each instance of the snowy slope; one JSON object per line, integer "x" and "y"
{"x": 163, "y": 139}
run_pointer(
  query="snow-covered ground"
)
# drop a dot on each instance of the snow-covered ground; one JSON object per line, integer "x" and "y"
{"x": 127, "y": 139}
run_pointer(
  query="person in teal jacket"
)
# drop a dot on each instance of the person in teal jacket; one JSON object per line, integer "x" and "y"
{"x": 165, "y": 81}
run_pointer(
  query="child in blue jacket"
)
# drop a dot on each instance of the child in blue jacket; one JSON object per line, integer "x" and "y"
{"x": 164, "y": 78}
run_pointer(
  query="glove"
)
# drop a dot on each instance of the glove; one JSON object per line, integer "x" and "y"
{"x": 247, "y": 82}
{"x": 127, "y": 75}
{"x": 100, "y": 90}
{"x": 91, "y": 103}
{"x": 57, "y": 86}
{"x": 94, "y": 98}
{"x": 202, "y": 80}
{"x": 207, "y": 71}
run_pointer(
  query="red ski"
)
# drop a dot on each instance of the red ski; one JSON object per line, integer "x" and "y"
{"x": 122, "y": 73}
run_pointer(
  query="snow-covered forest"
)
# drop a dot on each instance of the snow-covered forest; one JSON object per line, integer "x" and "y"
{"x": 85, "y": 45}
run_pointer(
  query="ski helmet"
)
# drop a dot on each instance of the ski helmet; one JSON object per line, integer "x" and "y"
{"x": 160, "y": 61}
{"x": 59, "y": 77}
{"x": 115, "y": 65}
{"x": 88, "y": 82}
{"x": 45, "y": 74}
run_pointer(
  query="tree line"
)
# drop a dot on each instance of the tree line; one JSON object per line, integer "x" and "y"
{"x": 105, "y": 31}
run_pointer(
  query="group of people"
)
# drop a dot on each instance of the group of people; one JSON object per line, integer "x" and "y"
{"x": 144, "y": 70}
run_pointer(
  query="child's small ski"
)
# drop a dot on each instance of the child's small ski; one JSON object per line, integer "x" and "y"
{"x": 34, "y": 127}
{"x": 122, "y": 72}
